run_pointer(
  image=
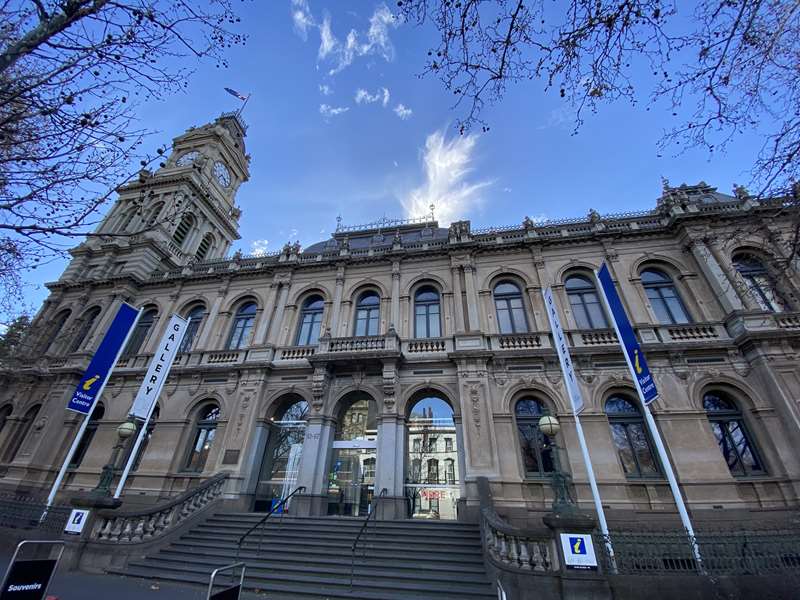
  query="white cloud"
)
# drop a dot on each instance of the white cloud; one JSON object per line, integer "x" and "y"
{"x": 327, "y": 41}
{"x": 329, "y": 111}
{"x": 301, "y": 17}
{"x": 403, "y": 111}
{"x": 325, "y": 90}
{"x": 507, "y": 190}
{"x": 364, "y": 97}
{"x": 259, "y": 247}
{"x": 447, "y": 164}
{"x": 375, "y": 41}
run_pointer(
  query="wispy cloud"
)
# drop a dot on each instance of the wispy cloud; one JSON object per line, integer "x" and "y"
{"x": 364, "y": 97}
{"x": 259, "y": 247}
{"x": 447, "y": 165}
{"x": 328, "y": 111}
{"x": 560, "y": 118}
{"x": 327, "y": 41}
{"x": 325, "y": 90}
{"x": 402, "y": 111}
{"x": 301, "y": 17}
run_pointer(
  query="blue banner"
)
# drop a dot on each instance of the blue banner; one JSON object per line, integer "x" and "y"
{"x": 627, "y": 338}
{"x": 85, "y": 395}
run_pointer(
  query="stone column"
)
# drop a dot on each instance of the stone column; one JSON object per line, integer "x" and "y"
{"x": 720, "y": 283}
{"x": 472, "y": 299}
{"x": 313, "y": 470}
{"x": 447, "y": 314}
{"x": 277, "y": 322}
{"x": 395, "y": 311}
{"x": 390, "y": 467}
{"x": 336, "y": 309}
{"x": 458, "y": 306}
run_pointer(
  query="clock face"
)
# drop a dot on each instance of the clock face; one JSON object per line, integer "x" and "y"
{"x": 222, "y": 174}
{"x": 188, "y": 158}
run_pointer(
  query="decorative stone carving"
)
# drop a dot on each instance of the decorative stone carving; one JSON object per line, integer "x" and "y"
{"x": 475, "y": 406}
{"x": 319, "y": 386}
{"x": 739, "y": 363}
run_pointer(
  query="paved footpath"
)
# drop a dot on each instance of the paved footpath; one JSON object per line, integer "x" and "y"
{"x": 74, "y": 585}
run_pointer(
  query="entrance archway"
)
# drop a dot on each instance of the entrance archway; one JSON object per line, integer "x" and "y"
{"x": 432, "y": 473}
{"x": 279, "y": 466}
{"x": 351, "y": 479}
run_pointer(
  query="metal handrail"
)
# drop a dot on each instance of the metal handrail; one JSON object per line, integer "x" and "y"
{"x": 280, "y": 504}
{"x": 372, "y": 511}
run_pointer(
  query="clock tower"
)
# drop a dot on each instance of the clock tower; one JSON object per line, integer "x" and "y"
{"x": 183, "y": 212}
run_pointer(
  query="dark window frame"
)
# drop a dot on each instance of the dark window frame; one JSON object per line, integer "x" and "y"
{"x": 309, "y": 325}
{"x": 725, "y": 423}
{"x": 583, "y": 297}
{"x": 195, "y": 319}
{"x": 429, "y": 310}
{"x": 242, "y": 326}
{"x": 205, "y": 431}
{"x": 658, "y": 294}
{"x": 511, "y": 303}
{"x": 368, "y": 314}
{"x": 628, "y": 421}
{"x": 527, "y": 422}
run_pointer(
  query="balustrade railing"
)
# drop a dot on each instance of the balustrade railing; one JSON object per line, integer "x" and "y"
{"x": 223, "y": 357}
{"x": 357, "y": 344}
{"x": 296, "y": 352}
{"x": 598, "y": 337}
{"x": 146, "y": 524}
{"x": 520, "y": 341}
{"x": 512, "y": 548}
{"x": 423, "y": 345}
{"x": 790, "y": 321}
{"x": 692, "y": 332}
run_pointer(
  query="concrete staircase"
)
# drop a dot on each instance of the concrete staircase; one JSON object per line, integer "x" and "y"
{"x": 311, "y": 558}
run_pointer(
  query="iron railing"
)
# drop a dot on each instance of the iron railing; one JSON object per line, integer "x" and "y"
{"x": 372, "y": 511}
{"x": 279, "y": 506}
{"x": 27, "y": 512}
{"x": 758, "y": 552}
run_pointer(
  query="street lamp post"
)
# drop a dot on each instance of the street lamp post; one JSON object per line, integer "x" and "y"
{"x": 562, "y": 500}
{"x": 124, "y": 431}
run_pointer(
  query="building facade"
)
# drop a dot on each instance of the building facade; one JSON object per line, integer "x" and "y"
{"x": 413, "y": 358}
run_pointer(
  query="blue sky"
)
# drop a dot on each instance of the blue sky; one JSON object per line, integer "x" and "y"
{"x": 320, "y": 148}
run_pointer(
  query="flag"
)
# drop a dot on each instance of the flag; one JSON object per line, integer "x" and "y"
{"x": 237, "y": 94}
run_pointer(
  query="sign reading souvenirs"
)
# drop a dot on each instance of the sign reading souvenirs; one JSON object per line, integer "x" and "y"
{"x": 159, "y": 368}
{"x": 77, "y": 519}
{"x": 578, "y": 551}
{"x": 103, "y": 361}
{"x": 627, "y": 338}
{"x": 560, "y": 341}
{"x": 28, "y": 579}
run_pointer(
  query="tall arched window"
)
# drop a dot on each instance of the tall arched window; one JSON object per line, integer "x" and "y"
{"x": 664, "y": 298}
{"x": 205, "y": 245}
{"x": 183, "y": 229}
{"x": 88, "y": 435}
{"x": 57, "y": 326}
{"x": 204, "y": 432}
{"x": 5, "y": 412}
{"x": 433, "y": 470}
{"x": 368, "y": 314}
{"x": 630, "y": 437}
{"x": 585, "y": 303}
{"x": 242, "y": 326}
{"x": 195, "y": 318}
{"x": 509, "y": 307}
{"x": 537, "y": 449}
{"x": 85, "y": 326}
{"x": 310, "y": 321}
{"x": 728, "y": 426}
{"x": 759, "y": 282}
{"x": 140, "y": 333}
{"x": 19, "y": 436}
{"x": 427, "y": 313}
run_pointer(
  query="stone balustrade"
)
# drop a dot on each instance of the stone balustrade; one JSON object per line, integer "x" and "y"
{"x": 296, "y": 352}
{"x": 147, "y": 524}
{"x": 224, "y": 357}
{"x": 598, "y": 337}
{"x": 788, "y": 320}
{"x": 427, "y": 345}
{"x": 514, "y": 549}
{"x": 682, "y": 333}
{"x": 517, "y": 341}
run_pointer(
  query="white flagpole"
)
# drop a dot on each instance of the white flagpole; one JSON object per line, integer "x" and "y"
{"x": 239, "y": 112}
{"x": 651, "y": 425}
{"x": 134, "y": 451}
{"x": 82, "y": 428}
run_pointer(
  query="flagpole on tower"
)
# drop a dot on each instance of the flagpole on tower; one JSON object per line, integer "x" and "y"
{"x": 239, "y": 112}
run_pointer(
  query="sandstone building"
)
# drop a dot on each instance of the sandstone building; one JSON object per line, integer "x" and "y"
{"x": 416, "y": 358}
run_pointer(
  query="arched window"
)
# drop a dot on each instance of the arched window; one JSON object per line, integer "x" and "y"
{"x": 664, "y": 298}
{"x": 537, "y": 449}
{"x": 5, "y": 412}
{"x": 21, "y": 433}
{"x": 183, "y": 229}
{"x": 88, "y": 435}
{"x": 310, "y": 321}
{"x": 139, "y": 333}
{"x": 151, "y": 427}
{"x": 283, "y": 452}
{"x": 127, "y": 218}
{"x": 368, "y": 314}
{"x": 242, "y": 326}
{"x": 728, "y": 426}
{"x": 427, "y": 314}
{"x": 205, "y": 431}
{"x": 631, "y": 439}
{"x": 205, "y": 245}
{"x": 57, "y": 326}
{"x": 195, "y": 318}
{"x": 154, "y": 213}
{"x": 759, "y": 282}
{"x": 509, "y": 307}
{"x": 84, "y": 327}
{"x": 433, "y": 470}
{"x": 585, "y": 303}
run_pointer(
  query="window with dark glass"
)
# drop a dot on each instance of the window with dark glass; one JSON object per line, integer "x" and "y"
{"x": 205, "y": 431}
{"x": 148, "y": 434}
{"x": 183, "y": 229}
{"x": 88, "y": 435}
{"x": 85, "y": 325}
{"x": 139, "y": 334}
{"x": 630, "y": 438}
{"x": 759, "y": 282}
{"x": 368, "y": 314}
{"x": 664, "y": 298}
{"x": 205, "y": 245}
{"x": 417, "y": 445}
{"x": 58, "y": 325}
{"x": 450, "y": 470}
{"x": 285, "y": 443}
{"x": 416, "y": 470}
{"x": 448, "y": 444}
{"x": 427, "y": 313}
{"x": 585, "y": 303}
{"x": 154, "y": 213}
{"x": 242, "y": 326}
{"x": 536, "y": 448}
{"x": 369, "y": 468}
{"x": 195, "y": 318}
{"x": 310, "y": 321}
{"x": 510, "y": 309}
{"x": 19, "y": 436}
{"x": 433, "y": 470}
{"x": 728, "y": 426}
